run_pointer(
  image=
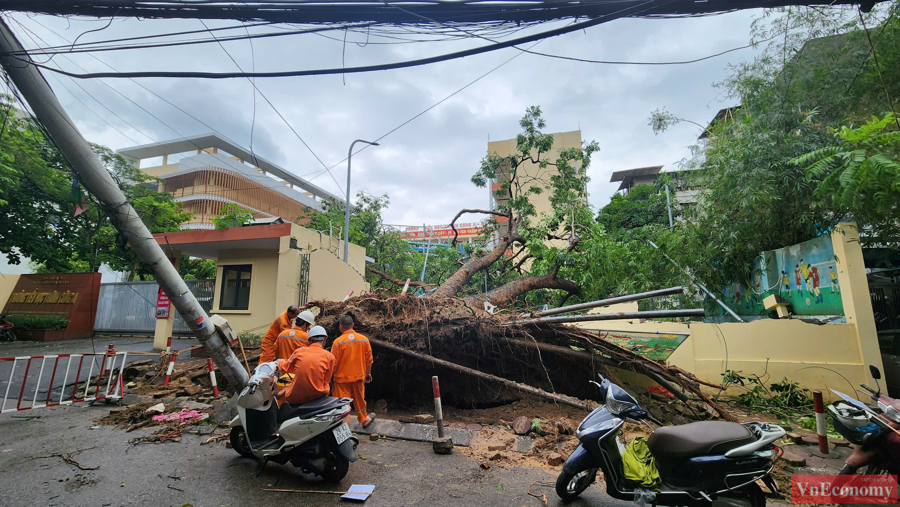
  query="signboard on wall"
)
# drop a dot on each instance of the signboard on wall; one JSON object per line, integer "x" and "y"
{"x": 163, "y": 305}
{"x": 656, "y": 347}
{"x": 804, "y": 274}
{"x": 72, "y": 295}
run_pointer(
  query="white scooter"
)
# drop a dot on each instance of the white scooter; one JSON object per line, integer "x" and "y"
{"x": 312, "y": 436}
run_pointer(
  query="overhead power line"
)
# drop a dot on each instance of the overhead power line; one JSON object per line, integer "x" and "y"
{"x": 624, "y": 12}
{"x": 325, "y": 11}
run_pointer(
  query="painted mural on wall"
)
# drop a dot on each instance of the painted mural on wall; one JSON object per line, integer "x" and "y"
{"x": 804, "y": 274}
{"x": 656, "y": 347}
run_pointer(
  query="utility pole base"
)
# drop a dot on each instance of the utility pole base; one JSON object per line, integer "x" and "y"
{"x": 443, "y": 445}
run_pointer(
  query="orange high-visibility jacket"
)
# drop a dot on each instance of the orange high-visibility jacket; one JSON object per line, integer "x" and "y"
{"x": 289, "y": 341}
{"x": 353, "y": 356}
{"x": 268, "y": 342}
{"x": 312, "y": 367}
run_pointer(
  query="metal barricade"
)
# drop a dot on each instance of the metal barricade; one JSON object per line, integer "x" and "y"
{"x": 70, "y": 392}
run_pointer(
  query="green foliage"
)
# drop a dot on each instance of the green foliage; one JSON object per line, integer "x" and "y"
{"x": 193, "y": 268}
{"x": 643, "y": 212}
{"x": 232, "y": 216}
{"x": 859, "y": 175}
{"x": 37, "y": 210}
{"x": 250, "y": 339}
{"x": 536, "y": 425}
{"x": 817, "y": 71}
{"x": 784, "y": 398}
{"x": 27, "y": 321}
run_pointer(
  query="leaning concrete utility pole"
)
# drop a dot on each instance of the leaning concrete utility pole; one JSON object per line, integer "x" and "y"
{"x": 96, "y": 178}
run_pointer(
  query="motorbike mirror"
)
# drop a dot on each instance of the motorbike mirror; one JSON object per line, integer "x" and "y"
{"x": 875, "y": 372}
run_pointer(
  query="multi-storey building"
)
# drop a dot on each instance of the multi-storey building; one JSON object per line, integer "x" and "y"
{"x": 531, "y": 174}
{"x": 211, "y": 172}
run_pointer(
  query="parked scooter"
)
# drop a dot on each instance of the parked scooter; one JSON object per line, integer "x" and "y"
{"x": 875, "y": 434}
{"x": 312, "y": 436}
{"x": 6, "y": 330}
{"x": 701, "y": 463}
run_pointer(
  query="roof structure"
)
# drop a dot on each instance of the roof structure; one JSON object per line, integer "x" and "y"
{"x": 210, "y": 140}
{"x": 627, "y": 176}
{"x": 726, "y": 113}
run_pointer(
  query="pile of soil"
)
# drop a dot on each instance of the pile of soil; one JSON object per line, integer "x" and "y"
{"x": 465, "y": 334}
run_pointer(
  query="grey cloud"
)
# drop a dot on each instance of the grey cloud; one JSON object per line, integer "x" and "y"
{"x": 425, "y": 166}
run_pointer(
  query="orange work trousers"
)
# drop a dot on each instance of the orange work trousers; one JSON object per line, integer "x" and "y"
{"x": 355, "y": 390}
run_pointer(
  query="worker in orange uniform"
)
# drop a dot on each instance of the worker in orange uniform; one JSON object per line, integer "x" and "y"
{"x": 312, "y": 366}
{"x": 283, "y": 322}
{"x": 295, "y": 337}
{"x": 353, "y": 368}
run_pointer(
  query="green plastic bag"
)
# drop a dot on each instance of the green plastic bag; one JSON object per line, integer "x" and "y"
{"x": 640, "y": 467}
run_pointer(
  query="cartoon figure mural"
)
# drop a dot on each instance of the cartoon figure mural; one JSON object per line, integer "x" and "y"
{"x": 796, "y": 273}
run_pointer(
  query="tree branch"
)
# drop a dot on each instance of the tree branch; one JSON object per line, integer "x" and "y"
{"x": 504, "y": 295}
{"x": 484, "y": 211}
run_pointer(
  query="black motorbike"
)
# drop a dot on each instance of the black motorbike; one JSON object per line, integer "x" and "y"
{"x": 701, "y": 463}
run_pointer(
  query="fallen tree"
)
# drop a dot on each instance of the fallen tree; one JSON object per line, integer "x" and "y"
{"x": 488, "y": 360}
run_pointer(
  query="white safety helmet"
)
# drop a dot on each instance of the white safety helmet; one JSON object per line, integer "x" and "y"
{"x": 317, "y": 334}
{"x": 848, "y": 415}
{"x": 307, "y": 316}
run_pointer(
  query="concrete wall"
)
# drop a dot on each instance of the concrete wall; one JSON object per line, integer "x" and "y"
{"x": 330, "y": 278}
{"x": 311, "y": 240}
{"x": 7, "y": 286}
{"x": 817, "y": 356}
{"x": 265, "y": 288}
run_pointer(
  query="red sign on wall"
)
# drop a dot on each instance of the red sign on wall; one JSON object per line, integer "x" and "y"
{"x": 163, "y": 305}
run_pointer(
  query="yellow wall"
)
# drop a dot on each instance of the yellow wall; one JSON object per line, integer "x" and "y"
{"x": 7, "y": 286}
{"x": 311, "y": 240}
{"x": 819, "y": 357}
{"x": 331, "y": 279}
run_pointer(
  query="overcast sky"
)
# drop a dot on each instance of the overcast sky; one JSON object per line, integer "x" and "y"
{"x": 425, "y": 166}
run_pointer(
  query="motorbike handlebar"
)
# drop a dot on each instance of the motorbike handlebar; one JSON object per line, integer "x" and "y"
{"x": 654, "y": 420}
{"x": 875, "y": 394}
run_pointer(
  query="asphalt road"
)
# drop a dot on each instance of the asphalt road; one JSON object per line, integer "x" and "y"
{"x": 11, "y": 386}
{"x": 404, "y": 473}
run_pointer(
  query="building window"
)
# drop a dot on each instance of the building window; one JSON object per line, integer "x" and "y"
{"x": 235, "y": 287}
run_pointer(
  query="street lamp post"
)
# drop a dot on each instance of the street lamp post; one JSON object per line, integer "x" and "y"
{"x": 347, "y": 204}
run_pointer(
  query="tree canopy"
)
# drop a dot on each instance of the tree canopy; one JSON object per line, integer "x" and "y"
{"x": 38, "y": 201}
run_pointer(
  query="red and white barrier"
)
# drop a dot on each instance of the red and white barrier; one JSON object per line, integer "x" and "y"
{"x": 169, "y": 345}
{"x": 406, "y": 286}
{"x": 821, "y": 426}
{"x": 212, "y": 378}
{"x": 170, "y": 369}
{"x": 438, "y": 411}
{"x": 347, "y": 296}
{"x": 69, "y": 391}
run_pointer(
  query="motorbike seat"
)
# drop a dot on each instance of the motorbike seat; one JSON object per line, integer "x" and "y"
{"x": 698, "y": 439}
{"x": 309, "y": 409}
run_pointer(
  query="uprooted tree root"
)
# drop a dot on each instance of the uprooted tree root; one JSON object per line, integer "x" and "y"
{"x": 461, "y": 332}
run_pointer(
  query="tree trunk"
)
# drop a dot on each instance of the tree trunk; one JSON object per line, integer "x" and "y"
{"x": 458, "y": 280}
{"x": 502, "y": 296}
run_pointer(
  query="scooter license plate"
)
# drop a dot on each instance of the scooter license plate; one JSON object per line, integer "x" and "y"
{"x": 342, "y": 433}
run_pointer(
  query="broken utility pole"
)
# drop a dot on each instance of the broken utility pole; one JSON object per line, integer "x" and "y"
{"x": 96, "y": 178}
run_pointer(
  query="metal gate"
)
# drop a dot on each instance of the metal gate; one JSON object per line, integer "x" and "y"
{"x": 130, "y": 307}
{"x": 303, "y": 284}
{"x": 886, "y": 305}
